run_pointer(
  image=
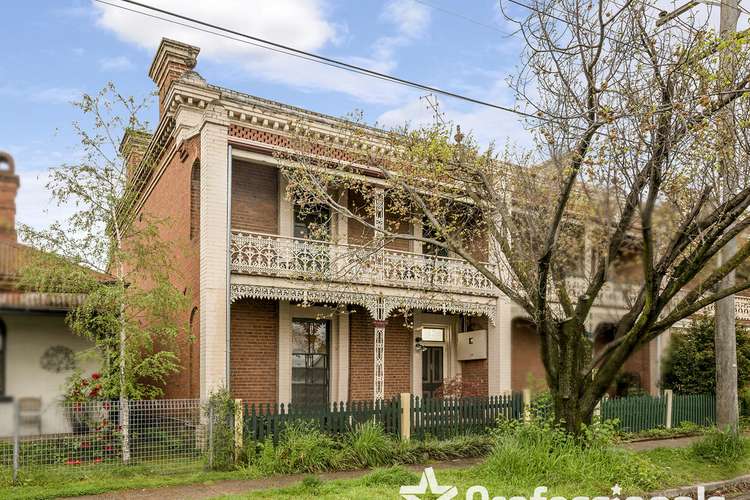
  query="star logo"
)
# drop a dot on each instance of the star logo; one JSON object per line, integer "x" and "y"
{"x": 428, "y": 483}
{"x": 616, "y": 490}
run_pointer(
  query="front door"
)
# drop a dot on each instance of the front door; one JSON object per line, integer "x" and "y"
{"x": 310, "y": 368}
{"x": 432, "y": 370}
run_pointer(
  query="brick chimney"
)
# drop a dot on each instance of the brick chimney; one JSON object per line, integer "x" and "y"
{"x": 133, "y": 148}
{"x": 171, "y": 61}
{"x": 8, "y": 188}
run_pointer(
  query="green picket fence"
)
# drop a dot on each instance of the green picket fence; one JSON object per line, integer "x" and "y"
{"x": 636, "y": 413}
{"x": 699, "y": 409}
{"x": 265, "y": 421}
{"x": 639, "y": 413}
{"x": 443, "y": 418}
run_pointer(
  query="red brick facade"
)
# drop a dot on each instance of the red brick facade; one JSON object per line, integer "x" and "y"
{"x": 254, "y": 337}
{"x": 255, "y": 197}
{"x": 474, "y": 373}
{"x": 172, "y": 199}
{"x": 399, "y": 345}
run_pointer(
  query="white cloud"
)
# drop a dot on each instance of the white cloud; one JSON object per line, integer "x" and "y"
{"x": 411, "y": 18}
{"x": 59, "y": 95}
{"x": 118, "y": 63}
{"x": 487, "y": 125}
{"x": 301, "y": 24}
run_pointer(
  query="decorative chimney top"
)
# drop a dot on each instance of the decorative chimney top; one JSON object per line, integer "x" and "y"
{"x": 9, "y": 183}
{"x": 171, "y": 61}
{"x": 133, "y": 148}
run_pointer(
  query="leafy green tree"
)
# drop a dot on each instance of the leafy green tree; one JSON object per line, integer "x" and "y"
{"x": 622, "y": 174}
{"x": 117, "y": 263}
{"x": 690, "y": 365}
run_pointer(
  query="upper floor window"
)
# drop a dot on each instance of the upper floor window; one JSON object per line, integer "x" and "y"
{"x": 312, "y": 222}
{"x": 431, "y": 248}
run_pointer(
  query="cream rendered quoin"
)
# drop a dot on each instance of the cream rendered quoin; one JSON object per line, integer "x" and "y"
{"x": 239, "y": 131}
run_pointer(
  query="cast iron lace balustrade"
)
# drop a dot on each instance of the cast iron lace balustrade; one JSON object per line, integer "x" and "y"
{"x": 271, "y": 255}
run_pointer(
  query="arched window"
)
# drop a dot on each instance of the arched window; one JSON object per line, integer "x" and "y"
{"x": 195, "y": 200}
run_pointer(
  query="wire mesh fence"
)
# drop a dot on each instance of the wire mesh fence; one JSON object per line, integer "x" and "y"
{"x": 159, "y": 435}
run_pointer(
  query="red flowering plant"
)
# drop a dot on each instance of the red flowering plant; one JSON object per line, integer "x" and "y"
{"x": 459, "y": 387}
{"x": 89, "y": 415}
{"x": 81, "y": 389}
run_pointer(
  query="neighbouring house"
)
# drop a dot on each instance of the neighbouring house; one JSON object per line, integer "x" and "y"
{"x": 37, "y": 350}
{"x": 268, "y": 320}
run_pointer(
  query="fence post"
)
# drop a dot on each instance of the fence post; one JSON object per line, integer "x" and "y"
{"x": 668, "y": 394}
{"x": 239, "y": 424}
{"x": 16, "y": 439}
{"x": 598, "y": 411}
{"x": 210, "y": 435}
{"x": 527, "y": 405}
{"x": 405, "y": 416}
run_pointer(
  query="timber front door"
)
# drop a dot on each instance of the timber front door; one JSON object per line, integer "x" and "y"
{"x": 432, "y": 370}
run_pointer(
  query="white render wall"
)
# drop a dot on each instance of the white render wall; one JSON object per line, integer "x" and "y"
{"x": 214, "y": 244}
{"x": 28, "y": 337}
{"x": 499, "y": 350}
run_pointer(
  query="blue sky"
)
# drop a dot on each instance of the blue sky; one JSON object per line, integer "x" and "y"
{"x": 53, "y": 50}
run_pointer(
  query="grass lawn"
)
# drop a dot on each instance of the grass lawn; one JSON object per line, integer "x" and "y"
{"x": 523, "y": 458}
{"x": 63, "y": 483}
{"x": 677, "y": 467}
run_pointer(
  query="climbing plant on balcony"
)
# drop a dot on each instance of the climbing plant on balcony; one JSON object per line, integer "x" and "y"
{"x": 626, "y": 192}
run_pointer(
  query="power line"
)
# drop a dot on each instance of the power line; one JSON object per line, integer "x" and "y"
{"x": 310, "y": 56}
{"x": 461, "y": 16}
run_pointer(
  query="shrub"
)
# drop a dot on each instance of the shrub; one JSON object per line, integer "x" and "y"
{"x": 540, "y": 452}
{"x": 221, "y": 410}
{"x": 690, "y": 364}
{"x": 724, "y": 447}
{"x": 302, "y": 448}
{"x": 367, "y": 445}
{"x": 744, "y": 402}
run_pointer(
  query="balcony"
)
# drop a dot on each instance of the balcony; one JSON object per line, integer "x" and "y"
{"x": 295, "y": 258}
{"x": 271, "y": 255}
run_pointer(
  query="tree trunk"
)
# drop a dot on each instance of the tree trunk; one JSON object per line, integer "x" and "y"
{"x": 124, "y": 404}
{"x": 568, "y": 386}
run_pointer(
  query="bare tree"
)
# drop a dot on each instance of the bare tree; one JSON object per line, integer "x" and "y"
{"x": 623, "y": 177}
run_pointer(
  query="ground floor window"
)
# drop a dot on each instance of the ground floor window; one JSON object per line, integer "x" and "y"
{"x": 310, "y": 361}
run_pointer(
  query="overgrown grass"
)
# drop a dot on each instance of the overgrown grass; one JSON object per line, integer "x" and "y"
{"x": 543, "y": 454}
{"x": 368, "y": 446}
{"x": 44, "y": 484}
{"x": 519, "y": 458}
{"x": 526, "y": 456}
{"x": 722, "y": 447}
{"x": 303, "y": 448}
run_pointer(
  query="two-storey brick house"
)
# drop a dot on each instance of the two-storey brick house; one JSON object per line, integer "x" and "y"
{"x": 268, "y": 319}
